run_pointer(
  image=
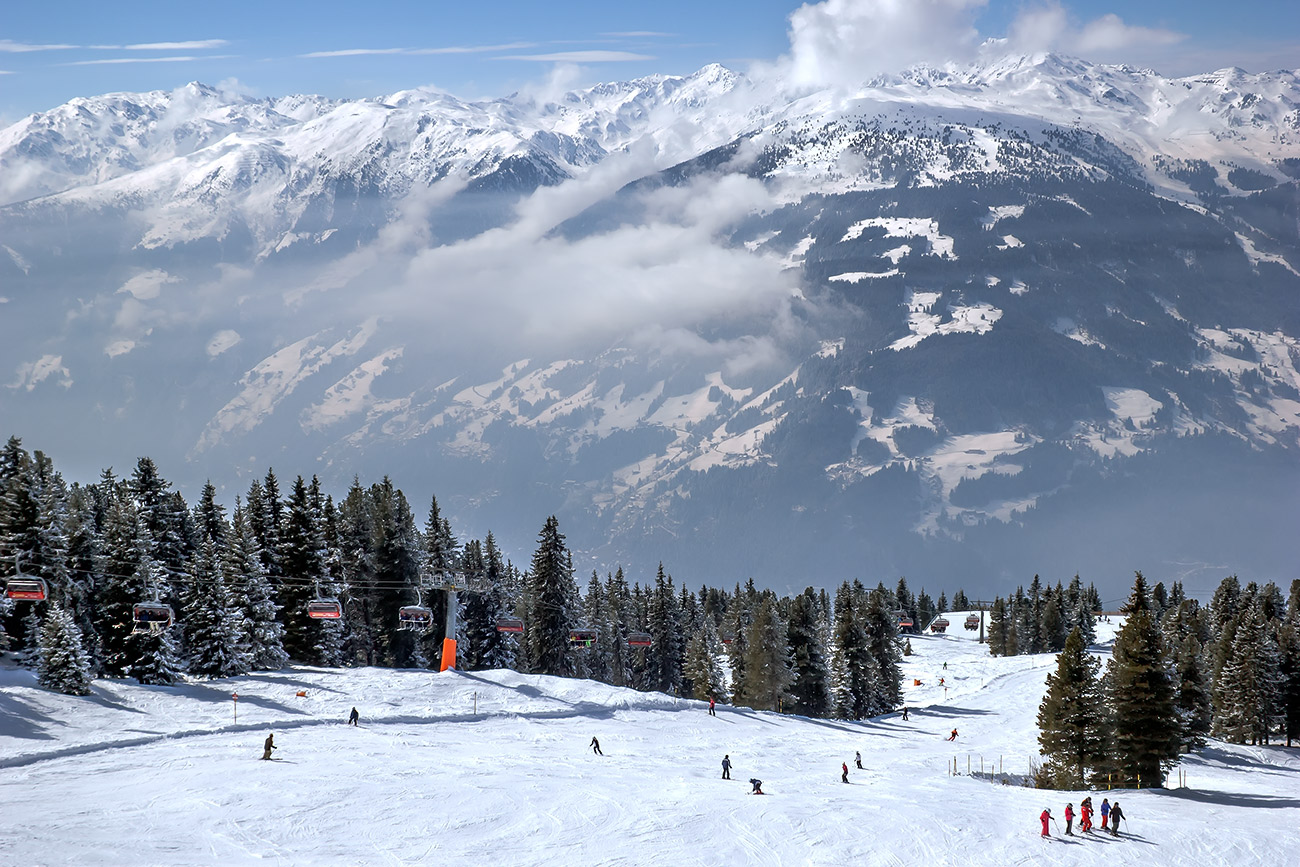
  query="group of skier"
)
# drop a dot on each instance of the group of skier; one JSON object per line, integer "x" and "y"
{"x": 1110, "y": 813}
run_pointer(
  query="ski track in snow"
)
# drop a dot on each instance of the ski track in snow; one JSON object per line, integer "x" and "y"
{"x": 157, "y": 775}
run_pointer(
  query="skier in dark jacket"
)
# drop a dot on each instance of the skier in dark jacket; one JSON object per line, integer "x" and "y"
{"x": 845, "y": 777}
{"x": 904, "y": 713}
{"x": 1115, "y": 815}
{"x": 758, "y": 786}
{"x": 268, "y": 746}
{"x": 353, "y": 717}
{"x": 726, "y": 767}
{"x": 595, "y": 746}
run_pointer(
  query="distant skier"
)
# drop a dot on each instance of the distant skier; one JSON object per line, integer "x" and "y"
{"x": 758, "y": 786}
{"x": 953, "y": 736}
{"x": 1069, "y": 820}
{"x": 726, "y": 767}
{"x": 268, "y": 746}
{"x": 904, "y": 713}
{"x": 857, "y": 760}
{"x": 712, "y": 712}
{"x": 945, "y": 666}
{"x": 1046, "y": 817}
{"x": 941, "y": 681}
{"x": 1115, "y": 815}
{"x": 595, "y": 747}
{"x": 354, "y": 717}
{"x": 844, "y": 778}
{"x": 1105, "y": 812}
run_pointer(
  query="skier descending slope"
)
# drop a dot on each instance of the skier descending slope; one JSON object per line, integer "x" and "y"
{"x": 758, "y": 786}
{"x": 845, "y": 777}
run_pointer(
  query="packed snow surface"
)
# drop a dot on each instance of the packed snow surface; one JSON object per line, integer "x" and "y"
{"x": 495, "y": 768}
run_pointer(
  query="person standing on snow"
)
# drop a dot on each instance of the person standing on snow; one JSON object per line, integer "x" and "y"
{"x": 268, "y": 746}
{"x": 857, "y": 759}
{"x": 353, "y": 717}
{"x": 712, "y": 712}
{"x": 1085, "y": 815}
{"x": 1069, "y": 819}
{"x": 904, "y": 713}
{"x": 595, "y": 746}
{"x": 844, "y": 778}
{"x": 1105, "y": 812}
{"x": 726, "y": 767}
{"x": 1046, "y": 817}
{"x": 1115, "y": 815}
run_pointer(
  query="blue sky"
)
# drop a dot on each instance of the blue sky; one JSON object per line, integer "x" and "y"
{"x": 53, "y": 51}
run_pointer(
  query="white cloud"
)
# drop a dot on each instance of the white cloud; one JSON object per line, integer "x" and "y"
{"x": 593, "y": 56}
{"x": 193, "y": 45}
{"x": 8, "y": 46}
{"x": 111, "y": 61}
{"x": 420, "y": 52}
{"x": 147, "y": 285}
{"x": 33, "y": 373}
{"x": 845, "y": 42}
{"x": 1051, "y": 28}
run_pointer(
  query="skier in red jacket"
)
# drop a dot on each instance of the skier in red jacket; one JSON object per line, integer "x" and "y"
{"x": 1069, "y": 819}
{"x": 1046, "y": 817}
{"x": 845, "y": 777}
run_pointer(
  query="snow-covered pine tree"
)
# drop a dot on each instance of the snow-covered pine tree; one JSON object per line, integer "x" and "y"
{"x": 998, "y": 628}
{"x": 618, "y": 604}
{"x": 263, "y": 635}
{"x": 1192, "y": 699}
{"x": 666, "y": 632}
{"x": 886, "y": 653}
{"x": 702, "y": 669}
{"x": 1246, "y": 691}
{"x": 1141, "y": 697}
{"x": 213, "y": 625}
{"x": 767, "y": 664}
{"x": 63, "y": 666}
{"x": 1078, "y": 611}
{"x": 1289, "y": 671}
{"x": 853, "y": 672}
{"x": 550, "y": 589}
{"x": 1054, "y": 625}
{"x": 1069, "y": 719}
{"x": 810, "y": 690}
{"x": 739, "y": 618}
{"x": 440, "y": 563}
{"x": 153, "y": 657}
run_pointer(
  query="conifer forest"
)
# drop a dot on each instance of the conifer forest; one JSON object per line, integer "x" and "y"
{"x": 123, "y": 578}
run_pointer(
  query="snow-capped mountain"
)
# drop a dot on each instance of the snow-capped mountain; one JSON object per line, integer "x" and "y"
{"x": 980, "y": 317}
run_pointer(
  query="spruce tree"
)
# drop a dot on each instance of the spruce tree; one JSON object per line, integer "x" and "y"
{"x": 1069, "y": 718}
{"x": 998, "y": 628}
{"x": 853, "y": 670}
{"x": 767, "y": 664}
{"x": 263, "y": 634}
{"x": 886, "y": 653}
{"x": 1246, "y": 690}
{"x": 1192, "y": 700}
{"x": 811, "y": 687}
{"x": 213, "y": 624}
{"x": 63, "y": 665}
{"x": 550, "y": 593}
{"x": 665, "y": 631}
{"x": 701, "y": 667}
{"x": 1146, "y": 725}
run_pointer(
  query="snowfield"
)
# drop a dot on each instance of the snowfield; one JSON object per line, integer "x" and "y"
{"x": 494, "y": 768}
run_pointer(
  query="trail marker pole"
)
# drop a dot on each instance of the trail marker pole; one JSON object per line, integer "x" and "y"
{"x": 234, "y": 697}
{"x": 476, "y": 703}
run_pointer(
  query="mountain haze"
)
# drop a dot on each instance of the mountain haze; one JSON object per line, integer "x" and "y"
{"x": 963, "y": 323}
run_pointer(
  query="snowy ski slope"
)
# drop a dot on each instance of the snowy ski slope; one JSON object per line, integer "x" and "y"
{"x": 494, "y": 768}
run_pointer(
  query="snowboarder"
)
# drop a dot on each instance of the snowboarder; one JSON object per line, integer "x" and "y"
{"x": 353, "y": 717}
{"x": 1046, "y": 817}
{"x": 726, "y": 767}
{"x": 953, "y": 736}
{"x": 1115, "y": 815}
{"x": 904, "y": 713}
{"x": 1069, "y": 820}
{"x": 857, "y": 759}
{"x": 844, "y": 778}
{"x": 1085, "y": 815}
{"x": 1105, "y": 812}
{"x": 945, "y": 666}
{"x": 712, "y": 712}
{"x": 595, "y": 746}
{"x": 758, "y": 786}
{"x": 268, "y": 746}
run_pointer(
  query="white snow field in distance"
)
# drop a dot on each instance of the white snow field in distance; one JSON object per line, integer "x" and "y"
{"x": 494, "y": 768}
